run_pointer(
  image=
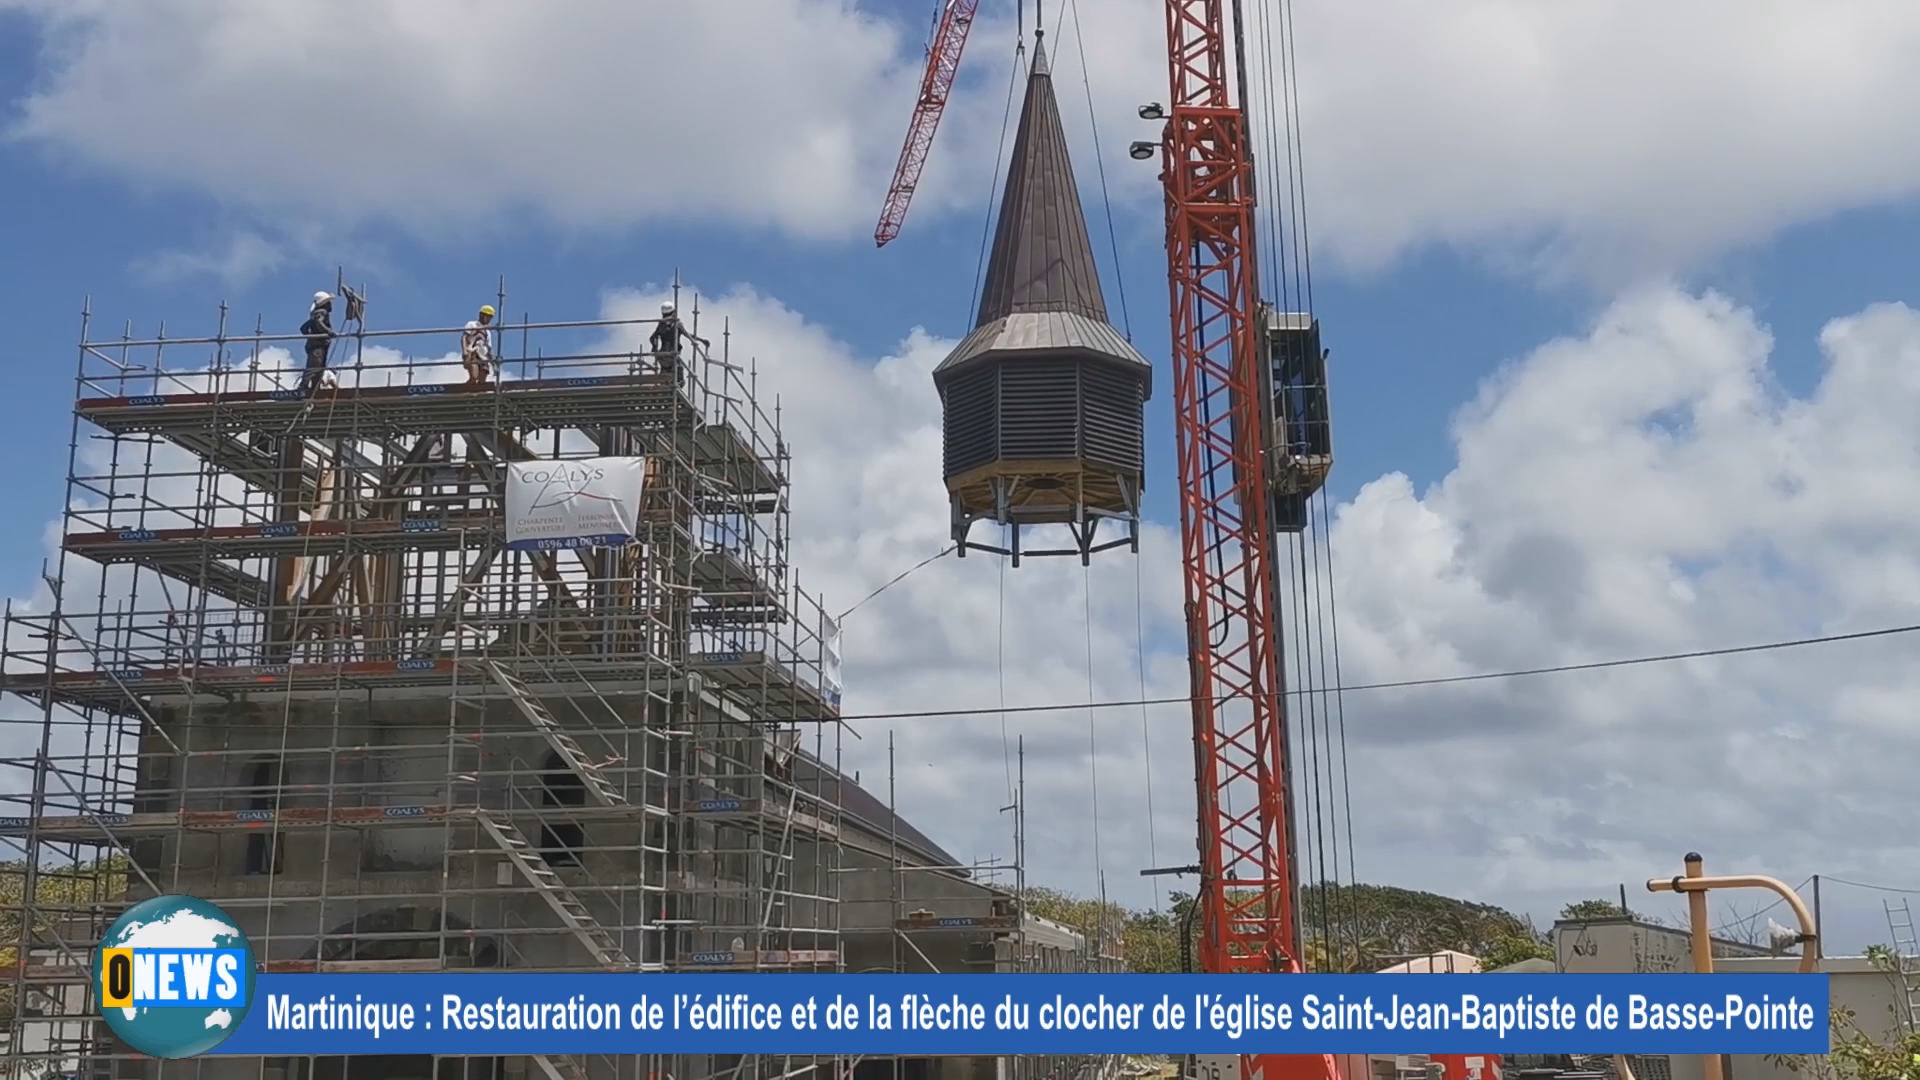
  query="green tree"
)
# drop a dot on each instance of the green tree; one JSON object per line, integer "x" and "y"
{"x": 1857, "y": 1054}
{"x": 1344, "y": 928}
{"x": 1514, "y": 950}
{"x": 1593, "y": 909}
{"x": 1367, "y": 927}
{"x": 60, "y": 893}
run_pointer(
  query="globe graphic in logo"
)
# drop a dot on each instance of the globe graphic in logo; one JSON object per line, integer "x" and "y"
{"x": 183, "y": 1030}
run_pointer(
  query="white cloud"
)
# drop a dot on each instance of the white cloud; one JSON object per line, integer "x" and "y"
{"x": 236, "y": 261}
{"x": 1643, "y": 487}
{"x": 1641, "y": 137}
{"x": 440, "y": 113}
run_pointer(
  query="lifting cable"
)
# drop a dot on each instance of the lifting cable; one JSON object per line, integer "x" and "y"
{"x": 1146, "y": 736}
{"x": 1321, "y": 747}
{"x": 1093, "y": 731}
{"x": 1000, "y": 664}
{"x": 1126, "y": 320}
{"x": 1100, "y": 164}
{"x": 1000, "y": 155}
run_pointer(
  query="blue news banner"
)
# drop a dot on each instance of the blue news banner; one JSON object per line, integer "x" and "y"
{"x": 505, "y": 1013}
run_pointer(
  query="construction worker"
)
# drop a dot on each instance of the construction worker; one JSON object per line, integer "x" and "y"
{"x": 318, "y": 330}
{"x": 666, "y": 342}
{"x": 476, "y": 347}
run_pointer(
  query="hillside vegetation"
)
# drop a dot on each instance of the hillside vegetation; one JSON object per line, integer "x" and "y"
{"x": 1348, "y": 928}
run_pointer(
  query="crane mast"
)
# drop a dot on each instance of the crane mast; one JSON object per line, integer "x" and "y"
{"x": 1222, "y": 422}
{"x": 943, "y": 63}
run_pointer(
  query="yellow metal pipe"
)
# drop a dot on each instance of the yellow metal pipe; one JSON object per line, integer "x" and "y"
{"x": 1695, "y": 884}
{"x": 1809, "y": 944}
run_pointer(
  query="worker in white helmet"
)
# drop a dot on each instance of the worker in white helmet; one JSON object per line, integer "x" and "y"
{"x": 666, "y": 342}
{"x": 318, "y": 330}
{"x": 476, "y": 348}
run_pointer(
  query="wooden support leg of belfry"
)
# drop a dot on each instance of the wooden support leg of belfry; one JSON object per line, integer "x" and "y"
{"x": 962, "y": 527}
{"x": 1003, "y": 513}
{"x": 1083, "y": 526}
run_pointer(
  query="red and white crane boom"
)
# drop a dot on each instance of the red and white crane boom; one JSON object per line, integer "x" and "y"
{"x": 943, "y": 63}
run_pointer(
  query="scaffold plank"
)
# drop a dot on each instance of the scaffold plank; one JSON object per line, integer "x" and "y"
{"x": 383, "y": 678}
{"x": 640, "y": 400}
{"x": 69, "y": 826}
{"x": 758, "y": 811}
{"x": 635, "y": 402}
{"x": 58, "y": 972}
{"x": 187, "y": 552}
{"x": 188, "y": 548}
{"x": 748, "y": 959}
{"x": 718, "y": 448}
{"x": 724, "y": 572}
{"x": 757, "y": 676}
{"x": 957, "y": 922}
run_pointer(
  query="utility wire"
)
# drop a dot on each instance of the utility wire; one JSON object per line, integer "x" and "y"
{"x": 1745, "y": 922}
{"x": 1398, "y": 684}
{"x": 1733, "y": 650}
{"x": 1874, "y": 888}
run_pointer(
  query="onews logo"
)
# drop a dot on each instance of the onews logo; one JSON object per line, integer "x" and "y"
{"x": 174, "y": 976}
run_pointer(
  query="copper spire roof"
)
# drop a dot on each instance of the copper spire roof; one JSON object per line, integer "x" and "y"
{"x": 1042, "y": 259}
{"x": 1042, "y": 290}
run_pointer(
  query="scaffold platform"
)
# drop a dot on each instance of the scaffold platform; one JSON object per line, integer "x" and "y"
{"x": 647, "y": 403}
{"x": 319, "y": 680}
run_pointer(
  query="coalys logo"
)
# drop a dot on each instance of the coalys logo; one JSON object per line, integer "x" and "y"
{"x": 175, "y": 976}
{"x": 562, "y": 483}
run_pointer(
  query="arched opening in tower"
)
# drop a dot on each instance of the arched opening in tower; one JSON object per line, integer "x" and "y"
{"x": 405, "y": 933}
{"x": 561, "y": 841}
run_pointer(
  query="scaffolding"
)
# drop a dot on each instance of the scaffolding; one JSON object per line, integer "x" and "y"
{"x": 294, "y": 664}
{"x": 950, "y": 917}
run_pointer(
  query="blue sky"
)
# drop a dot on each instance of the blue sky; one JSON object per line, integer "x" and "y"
{"x": 1420, "y": 305}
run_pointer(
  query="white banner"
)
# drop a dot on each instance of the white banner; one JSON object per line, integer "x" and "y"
{"x": 591, "y": 502}
{"x": 830, "y": 663}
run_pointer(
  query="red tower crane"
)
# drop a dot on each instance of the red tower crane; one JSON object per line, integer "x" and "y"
{"x": 1251, "y": 441}
{"x": 1223, "y": 423}
{"x": 943, "y": 63}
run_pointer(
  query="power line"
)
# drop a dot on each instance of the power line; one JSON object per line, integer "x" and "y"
{"x": 1745, "y": 922}
{"x": 1874, "y": 888}
{"x": 1400, "y": 684}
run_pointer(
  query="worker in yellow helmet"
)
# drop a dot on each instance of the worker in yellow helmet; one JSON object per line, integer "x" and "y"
{"x": 476, "y": 348}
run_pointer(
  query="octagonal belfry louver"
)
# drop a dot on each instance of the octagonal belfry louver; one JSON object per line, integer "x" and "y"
{"x": 1044, "y": 402}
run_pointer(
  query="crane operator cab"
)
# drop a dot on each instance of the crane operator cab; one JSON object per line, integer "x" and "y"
{"x": 1300, "y": 437}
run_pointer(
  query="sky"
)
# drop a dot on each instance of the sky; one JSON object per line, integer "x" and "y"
{"x": 1622, "y": 365}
